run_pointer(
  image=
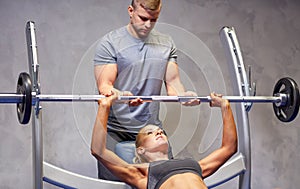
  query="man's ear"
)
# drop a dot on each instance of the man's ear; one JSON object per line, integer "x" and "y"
{"x": 140, "y": 150}
{"x": 130, "y": 10}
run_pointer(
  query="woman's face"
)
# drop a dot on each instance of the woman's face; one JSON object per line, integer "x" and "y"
{"x": 152, "y": 138}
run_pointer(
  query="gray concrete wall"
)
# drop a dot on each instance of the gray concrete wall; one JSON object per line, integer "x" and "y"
{"x": 67, "y": 30}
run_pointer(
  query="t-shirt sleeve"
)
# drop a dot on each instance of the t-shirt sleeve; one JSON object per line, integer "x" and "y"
{"x": 173, "y": 52}
{"x": 105, "y": 52}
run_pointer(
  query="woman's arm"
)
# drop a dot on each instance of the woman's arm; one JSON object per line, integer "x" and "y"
{"x": 131, "y": 174}
{"x": 216, "y": 159}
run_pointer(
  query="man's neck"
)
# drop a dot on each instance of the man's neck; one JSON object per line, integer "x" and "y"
{"x": 133, "y": 33}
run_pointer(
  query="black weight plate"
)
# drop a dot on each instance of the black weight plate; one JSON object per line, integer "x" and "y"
{"x": 24, "y": 87}
{"x": 289, "y": 111}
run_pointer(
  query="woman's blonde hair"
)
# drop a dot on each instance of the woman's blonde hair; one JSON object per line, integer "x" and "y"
{"x": 139, "y": 158}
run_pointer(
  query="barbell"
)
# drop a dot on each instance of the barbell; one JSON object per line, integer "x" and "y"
{"x": 285, "y": 98}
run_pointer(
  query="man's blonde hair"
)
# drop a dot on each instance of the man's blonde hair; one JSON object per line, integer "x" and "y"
{"x": 152, "y": 5}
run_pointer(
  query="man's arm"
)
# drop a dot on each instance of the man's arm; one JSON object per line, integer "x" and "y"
{"x": 175, "y": 87}
{"x": 105, "y": 76}
{"x": 216, "y": 159}
{"x": 172, "y": 79}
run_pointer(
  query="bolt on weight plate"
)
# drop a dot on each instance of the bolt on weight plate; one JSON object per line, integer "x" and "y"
{"x": 289, "y": 111}
{"x": 24, "y": 87}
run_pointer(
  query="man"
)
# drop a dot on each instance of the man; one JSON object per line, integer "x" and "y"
{"x": 136, "y": 60}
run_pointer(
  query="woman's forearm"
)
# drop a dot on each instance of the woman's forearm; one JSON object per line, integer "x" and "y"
{"x": 98, "y": 145}
{"x": 229, "y": 139}
{"x": 217, "y": 158}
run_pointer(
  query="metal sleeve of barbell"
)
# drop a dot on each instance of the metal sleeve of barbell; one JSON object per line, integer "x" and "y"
{"x": 254, "y": 99}
{"x": 11, "y": 98}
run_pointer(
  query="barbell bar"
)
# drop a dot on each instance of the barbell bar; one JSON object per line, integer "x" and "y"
{"x": 18, "y": 98}
{"x": 285, "y": 98}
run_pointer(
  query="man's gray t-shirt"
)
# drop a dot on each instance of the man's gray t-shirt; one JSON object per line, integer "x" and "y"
{"x": 141, "y": 70}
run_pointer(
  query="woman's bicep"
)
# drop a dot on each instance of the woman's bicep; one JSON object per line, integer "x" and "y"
{"x": 211, "y": 163}
{"x": 124, "y": 171}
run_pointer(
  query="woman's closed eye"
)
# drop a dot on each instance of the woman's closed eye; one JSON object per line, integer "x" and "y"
{"x": 149, "y": 132}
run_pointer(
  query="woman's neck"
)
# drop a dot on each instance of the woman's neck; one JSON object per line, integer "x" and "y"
{"x": 156, "y": 156}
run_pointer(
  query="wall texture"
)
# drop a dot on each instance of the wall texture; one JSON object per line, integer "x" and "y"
{"x": 67, "y": 31}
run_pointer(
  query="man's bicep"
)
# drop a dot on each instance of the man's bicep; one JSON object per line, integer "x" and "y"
{"x": 172, "y": 79}
{"x": 105, "y": 76}
{"x": 172, "y": 72}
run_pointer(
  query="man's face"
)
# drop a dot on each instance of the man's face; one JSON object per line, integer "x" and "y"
{"x": 142, "y": 20}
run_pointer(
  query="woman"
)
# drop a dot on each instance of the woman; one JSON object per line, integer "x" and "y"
{"x": 156, "y": 171}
